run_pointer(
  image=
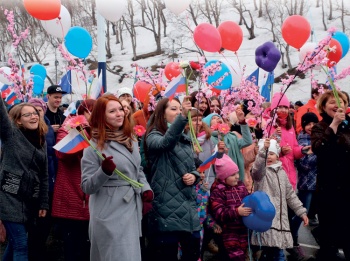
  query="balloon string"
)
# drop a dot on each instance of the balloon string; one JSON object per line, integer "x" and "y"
{"x": 62, "y": 30}
{"x": 228, "y": 62}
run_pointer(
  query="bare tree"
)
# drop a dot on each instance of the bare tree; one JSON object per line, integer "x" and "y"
{"x": 330, "y": 15}
{"x": 153, "y": 24}
{"x": 249, "y": 21}
{"x": 260, "y": 12}
{"x": 130, "y": 27}
{"x": 323, "y": 16}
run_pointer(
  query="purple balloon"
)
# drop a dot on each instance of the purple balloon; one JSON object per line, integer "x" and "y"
{"x": 267, "y": 56}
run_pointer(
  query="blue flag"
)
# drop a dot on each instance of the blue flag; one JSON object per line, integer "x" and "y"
{"x": 266, "y": 88}
{"x": 66, "y": 82}
{"x": 254, "y": 75}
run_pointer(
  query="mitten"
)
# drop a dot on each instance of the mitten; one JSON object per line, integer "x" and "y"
{"x": 147, "y": 198}
{"x": 108, "y": 166}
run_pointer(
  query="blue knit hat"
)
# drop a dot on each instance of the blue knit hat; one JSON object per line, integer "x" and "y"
{"x": 207, "y": 119}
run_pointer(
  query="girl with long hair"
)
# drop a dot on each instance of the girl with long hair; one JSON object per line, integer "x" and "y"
{"x": 24, "y": 187}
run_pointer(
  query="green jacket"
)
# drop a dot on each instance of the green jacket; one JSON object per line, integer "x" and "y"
{"x": 170, "y": 157}
{"x": 234, "y": 145}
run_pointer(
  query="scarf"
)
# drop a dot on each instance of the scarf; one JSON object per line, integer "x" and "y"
{"x": 33, "y": 137}
{"x": 201, "y": 137}
{"x": 117, "y": 136}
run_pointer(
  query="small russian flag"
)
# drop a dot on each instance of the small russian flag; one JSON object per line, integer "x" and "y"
{"x": 209, "y": 161}
{"x": 11, "y": 97}
{"x": 178, "y": 84}
{"x": 72, "y": 143}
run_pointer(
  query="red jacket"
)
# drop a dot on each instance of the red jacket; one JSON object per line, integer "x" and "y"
{"x": 310, "y": 106}
{"x": 69, "y": 201}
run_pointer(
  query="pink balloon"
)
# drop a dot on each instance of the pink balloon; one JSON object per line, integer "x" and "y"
{"x": 207, "y": 37}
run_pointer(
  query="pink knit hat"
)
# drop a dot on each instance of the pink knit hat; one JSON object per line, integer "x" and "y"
{"x": 276, "y": 97}
{"x": 225, "y": 167}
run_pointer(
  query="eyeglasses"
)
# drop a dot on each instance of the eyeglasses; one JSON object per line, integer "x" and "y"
{"x": 29, "y": 114}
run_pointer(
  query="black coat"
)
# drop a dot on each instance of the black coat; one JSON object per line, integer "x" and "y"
{"x": 333, "y": 178}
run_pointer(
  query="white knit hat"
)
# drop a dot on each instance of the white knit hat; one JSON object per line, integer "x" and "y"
{"x": 274, "y": 146}
{"x": 124, "y": 90}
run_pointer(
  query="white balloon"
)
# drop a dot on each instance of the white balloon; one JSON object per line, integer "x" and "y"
{"x": 177, "y": 6}
{"x": 5, "y": 70}
{"x": 58, "y": 27}
{"x": 306, "y": 49}
{"x": 236, "y": 72}
{"x": 111, "y": 10}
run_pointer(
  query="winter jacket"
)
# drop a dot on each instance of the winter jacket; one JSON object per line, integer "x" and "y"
{"x": 274, "y": 181}
{"x": 333, "y": 179}
{"x": 115, "y": 206}
{"x": 51, "y": 156}
{"x": 224, "y": 201}
{"x": 208, "y": 149}
{"x": 288, "y": 138}
{"x": 23, "y": 174}
{"x": 69, "y": 201}
{"x": 306, "y": 166}
{"x": 171, "y": 157}
{"x": 234, "y": 145}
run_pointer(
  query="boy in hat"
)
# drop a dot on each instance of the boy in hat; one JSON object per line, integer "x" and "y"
{"x": 227, "y": 209}
{"x": 53, "y": 113}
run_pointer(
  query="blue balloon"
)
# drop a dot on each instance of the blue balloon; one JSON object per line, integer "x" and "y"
{"x": 263, "y": 211}
{"x": 38, "y": 69}
{"x": 78, "y": 42}
{"x": 343, "y": 40}
{"x": 226, "y": 82}
{"x": 38, "y": 85}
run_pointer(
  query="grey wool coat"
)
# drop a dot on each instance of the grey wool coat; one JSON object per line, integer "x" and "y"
{"x": 274, "y": 181}
{"x": 23, "y": 174}
{"x": 115, "y": 206}
{"x": 171, "y": 157}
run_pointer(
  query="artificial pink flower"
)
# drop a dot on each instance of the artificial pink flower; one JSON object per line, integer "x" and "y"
{"x": 223, "y": 128}
{"x": 215, "y": 127}
{"x": 139, "y": 130}
{"x": 75, "y": 122}
{"x": 252, "y": 122}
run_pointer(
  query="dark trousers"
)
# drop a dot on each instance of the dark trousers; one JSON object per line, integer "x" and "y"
{"x": 17, "y": 246}
{"x": 75, "y": 236}
{"x": 165, "y": 246}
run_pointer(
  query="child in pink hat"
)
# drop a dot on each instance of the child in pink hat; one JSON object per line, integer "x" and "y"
{"x": 226, "y": 206}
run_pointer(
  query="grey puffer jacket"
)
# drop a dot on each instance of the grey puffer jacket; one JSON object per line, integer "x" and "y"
{"x": 171, "y": 157}
{"x": 274, "y": 181}
{"x": 23, "y": 174}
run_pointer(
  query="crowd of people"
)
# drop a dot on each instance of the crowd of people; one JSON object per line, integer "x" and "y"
{"x": 297, "y": 155}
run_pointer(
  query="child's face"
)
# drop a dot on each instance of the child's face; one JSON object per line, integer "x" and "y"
{"x": 309, "y": 127}
{"x": 215, "y": 120}
{"x": 202, "y": 175}
{"x": 232, "y": 180}
{"x": 197, "y": 122}
{"x": 272, "y": 158}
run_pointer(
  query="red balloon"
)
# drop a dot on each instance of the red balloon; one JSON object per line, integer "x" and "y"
{"x": 207, "y": 37}
{"x": 231, "y": 35}
{"x": 43, "y": 9}
{"x": 172, "y": 70}
{"x": 334, "y": 57}
{"x": 296, "y": 30}
{"x": 141, "y": 90}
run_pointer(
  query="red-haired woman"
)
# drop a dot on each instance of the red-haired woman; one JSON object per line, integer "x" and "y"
{"x": 115, "y": 206}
